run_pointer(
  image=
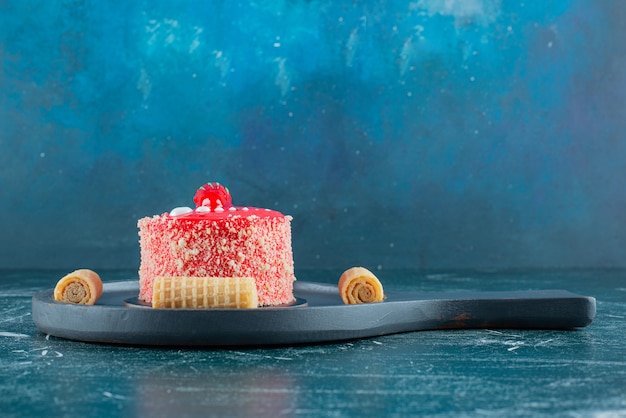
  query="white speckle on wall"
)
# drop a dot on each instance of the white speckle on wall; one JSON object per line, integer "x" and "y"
{"x": 406, "y": 53}
{"x": 222, "y": 63}
{"x": 144, "y": 85}
{"x": 195, "y": 42}
{"x": 283, "y": 80}
{"x": 351, "y": 46}
{"x": 481, "y": 11}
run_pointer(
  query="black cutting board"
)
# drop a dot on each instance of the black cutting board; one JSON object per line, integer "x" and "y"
{"x": 318, "y": 316}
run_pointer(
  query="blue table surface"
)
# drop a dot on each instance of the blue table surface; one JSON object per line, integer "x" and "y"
{"x": 454, "y": 373}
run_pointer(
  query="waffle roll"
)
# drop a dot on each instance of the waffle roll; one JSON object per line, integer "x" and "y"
{"x": 81, "y": 286}
{"x": 359, "y": 285}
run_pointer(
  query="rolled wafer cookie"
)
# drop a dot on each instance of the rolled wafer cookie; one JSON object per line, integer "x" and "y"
{"x": 81, "y": 286}
{"x": 359, "y": 285}
{"x": 204, "y": 292}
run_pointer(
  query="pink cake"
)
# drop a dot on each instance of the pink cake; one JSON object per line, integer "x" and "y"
{"x": 220, "y": 240}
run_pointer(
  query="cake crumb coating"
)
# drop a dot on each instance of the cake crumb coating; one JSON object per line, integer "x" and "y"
{"x": 234, "y": 246}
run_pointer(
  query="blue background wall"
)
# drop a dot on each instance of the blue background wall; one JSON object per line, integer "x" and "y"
{"x": 431, "y": 134}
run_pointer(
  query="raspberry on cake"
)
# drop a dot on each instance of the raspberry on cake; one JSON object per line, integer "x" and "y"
{"x": 217, "y": 239}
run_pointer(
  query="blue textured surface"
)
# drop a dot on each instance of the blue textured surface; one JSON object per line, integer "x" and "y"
{"x": 405, "y": 134}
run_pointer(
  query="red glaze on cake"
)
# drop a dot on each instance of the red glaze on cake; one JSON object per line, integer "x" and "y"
{"x": 220, "y": 240}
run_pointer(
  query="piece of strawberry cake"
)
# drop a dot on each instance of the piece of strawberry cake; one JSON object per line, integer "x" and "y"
{"x": 217, "y": 239}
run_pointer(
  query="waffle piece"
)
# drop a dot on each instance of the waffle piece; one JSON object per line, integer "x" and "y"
{"x": 204, "y": 292}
